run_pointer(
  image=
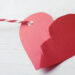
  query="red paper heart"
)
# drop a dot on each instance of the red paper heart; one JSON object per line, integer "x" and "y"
{"x": 48, "y": 43}
{"x": 61, "y": 45}
{"x": 34, "y": 36}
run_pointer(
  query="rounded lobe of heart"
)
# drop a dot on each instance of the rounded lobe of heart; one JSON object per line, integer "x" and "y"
{"x": 32, "y": 37}
{"x": 61, "y": 46}
{"x": 63, "y": 31}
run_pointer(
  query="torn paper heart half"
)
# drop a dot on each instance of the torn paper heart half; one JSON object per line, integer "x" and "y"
{"x": 32, "y": 37}
{"x": 61, "y": 45}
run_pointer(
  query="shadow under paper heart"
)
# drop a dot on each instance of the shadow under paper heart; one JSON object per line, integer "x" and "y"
{"x": 61, "y": 45}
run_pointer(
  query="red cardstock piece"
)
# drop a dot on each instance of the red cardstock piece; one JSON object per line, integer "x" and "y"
{"x": 33, "y": 37}
{"x": 61, "y": 45}
{"x": 47, "y": 42}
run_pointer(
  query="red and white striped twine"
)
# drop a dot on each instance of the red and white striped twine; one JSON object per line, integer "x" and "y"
{"x": 29, "y": 23}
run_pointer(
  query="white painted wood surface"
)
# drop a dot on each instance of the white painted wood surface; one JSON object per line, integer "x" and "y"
{"x": 13, "y": 58}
